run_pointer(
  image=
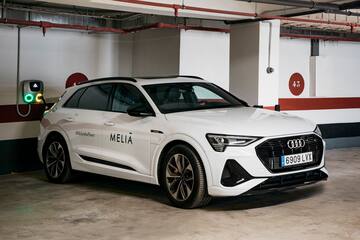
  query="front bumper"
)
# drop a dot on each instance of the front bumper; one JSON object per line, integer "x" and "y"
{"x": 254, "y": 184}
{"x": 247, "y": 172}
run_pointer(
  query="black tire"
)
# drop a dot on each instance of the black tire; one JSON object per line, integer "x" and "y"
{"x": 57, "y": 167}
{"x": 179, "y": 195}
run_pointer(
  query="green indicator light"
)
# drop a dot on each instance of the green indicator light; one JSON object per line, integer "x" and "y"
{"x": 29, "y": 98}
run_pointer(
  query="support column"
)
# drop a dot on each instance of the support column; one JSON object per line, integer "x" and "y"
{"x": 254, "y": 62}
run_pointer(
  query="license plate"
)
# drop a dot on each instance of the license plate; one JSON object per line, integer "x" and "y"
{"x": 296, "y": 159}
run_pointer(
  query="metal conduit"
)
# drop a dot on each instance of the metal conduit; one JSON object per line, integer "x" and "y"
{"x": 322, "y": 7}
{"x": 299, "y": 3}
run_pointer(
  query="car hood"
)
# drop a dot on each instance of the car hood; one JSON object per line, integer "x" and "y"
{"x": 241, "y": 121}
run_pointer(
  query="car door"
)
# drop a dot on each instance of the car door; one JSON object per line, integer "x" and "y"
{"x": 127, "y": 138}
{"x": 83, "y": 121}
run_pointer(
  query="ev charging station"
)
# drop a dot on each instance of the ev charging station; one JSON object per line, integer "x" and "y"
{"x": 33, "y": 91}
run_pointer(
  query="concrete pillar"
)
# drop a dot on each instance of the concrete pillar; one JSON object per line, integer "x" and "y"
{"x": 254, "y": 50}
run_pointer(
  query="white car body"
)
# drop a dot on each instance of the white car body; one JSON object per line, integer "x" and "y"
{"x": 88, "y": 133}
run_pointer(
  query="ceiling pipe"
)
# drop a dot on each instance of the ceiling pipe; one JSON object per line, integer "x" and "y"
{"x": 344, "y": 12}
{"x": 176, "y": 26}
{"x": 350, "y": 5}
{"x": 177, "y": 7}
{"x": 47, "y": 25}
{"x": 299, "y": 3}
{"x": 315, "y": 6}
{"x": 340, "y": 11}
{"x": 35, "y": 10}
{"x": 319, "y": 37}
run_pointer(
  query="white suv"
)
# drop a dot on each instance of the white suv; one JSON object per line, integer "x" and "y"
{"x": 190, "y": 136}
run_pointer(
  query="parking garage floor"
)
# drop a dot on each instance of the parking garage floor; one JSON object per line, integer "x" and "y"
{"x": 95, "y": 207}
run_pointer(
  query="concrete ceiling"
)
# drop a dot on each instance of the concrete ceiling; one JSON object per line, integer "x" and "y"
{"x": 227, "y": 5}
{"x": 128, "y": 14}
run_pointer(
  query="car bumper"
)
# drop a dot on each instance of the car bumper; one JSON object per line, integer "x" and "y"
{"x": 252, "y": 174}
{"x": 256, "y": 185}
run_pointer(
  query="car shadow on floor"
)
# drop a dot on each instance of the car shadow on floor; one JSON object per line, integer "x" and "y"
{"x": 154, "y": 193}
{"x": 271, "y": 198}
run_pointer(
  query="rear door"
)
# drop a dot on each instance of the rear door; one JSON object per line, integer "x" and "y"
{"x": 83, "y": 120}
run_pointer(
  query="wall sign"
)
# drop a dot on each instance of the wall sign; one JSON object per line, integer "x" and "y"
{"x": 74, "y": 79}
{"x": 296, "y": 84}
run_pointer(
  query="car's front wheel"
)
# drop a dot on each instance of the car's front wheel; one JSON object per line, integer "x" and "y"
{"x": 183, "y": 178}
{"x": 56, "y": 160}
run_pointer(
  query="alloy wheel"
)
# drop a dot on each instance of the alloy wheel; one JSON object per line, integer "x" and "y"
{"x": 179, "y": 177}
{"x": 55, "y": 159}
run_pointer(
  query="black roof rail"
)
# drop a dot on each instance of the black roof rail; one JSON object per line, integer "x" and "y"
{"x": 109, "y": 78}
{"x": 171, "y": 76}
{"x": 133, "y": 79}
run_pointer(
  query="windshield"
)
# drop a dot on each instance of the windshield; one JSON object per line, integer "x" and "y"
{"x": 179, "y": 97}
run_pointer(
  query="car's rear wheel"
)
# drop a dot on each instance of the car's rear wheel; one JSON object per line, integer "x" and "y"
{"x": 183, "y": 178}
{"x": 56, "y": 160}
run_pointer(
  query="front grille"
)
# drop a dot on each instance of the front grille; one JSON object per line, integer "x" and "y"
{"x": 292, "y": 180}
{"x": 270, "y": 152}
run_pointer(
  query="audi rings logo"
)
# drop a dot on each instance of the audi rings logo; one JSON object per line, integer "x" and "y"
{"x": 296, "y": 143}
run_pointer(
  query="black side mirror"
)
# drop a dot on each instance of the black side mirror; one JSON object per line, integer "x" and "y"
{"x": 138, "y": 110}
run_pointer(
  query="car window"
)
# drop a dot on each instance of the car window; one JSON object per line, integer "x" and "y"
{"x": 125, "y": 96}
{"x": 96, "y": 97}
{"x": 73, "y": 101}
{"x": 203, "y": 94}
{"x": 177, "y": 97}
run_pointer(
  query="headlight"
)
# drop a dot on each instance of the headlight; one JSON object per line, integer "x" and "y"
{"x": 317, "y": 131}
{"x": 220, "y": 142}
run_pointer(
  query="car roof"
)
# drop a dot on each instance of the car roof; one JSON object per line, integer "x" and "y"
{"x": 167, "y": 79}
{"x": 146, "y": 80}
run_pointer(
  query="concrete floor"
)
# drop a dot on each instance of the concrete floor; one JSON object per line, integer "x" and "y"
{"x": 97, "y": 207}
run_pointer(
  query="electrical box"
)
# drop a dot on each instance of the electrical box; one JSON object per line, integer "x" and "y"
{"x": 33, "y": 91}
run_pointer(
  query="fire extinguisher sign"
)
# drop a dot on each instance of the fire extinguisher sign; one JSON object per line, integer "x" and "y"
{"x": 296, "y": 84}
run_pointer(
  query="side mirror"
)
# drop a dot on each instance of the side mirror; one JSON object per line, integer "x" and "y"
{"x": 138, "y": 110}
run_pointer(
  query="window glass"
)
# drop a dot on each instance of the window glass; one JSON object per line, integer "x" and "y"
{"x": 177, "y": 97}
{"x": 126, "y": 96}
{"x": 205, "y": 94}
{"x": 74, "y": 99}
{"x": 96, "y": 97}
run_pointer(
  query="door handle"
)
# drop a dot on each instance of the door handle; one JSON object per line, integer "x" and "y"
{"x": 69, "y": 119}
{"x": 109, "y": 124}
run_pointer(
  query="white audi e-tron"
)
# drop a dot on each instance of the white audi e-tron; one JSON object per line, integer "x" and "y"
{"x": 187, "y": 135}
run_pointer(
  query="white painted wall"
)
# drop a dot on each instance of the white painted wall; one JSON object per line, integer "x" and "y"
{"x": 57, "y": 55}
{"x": 329, "y": 116}
{"x": 338, "y": 70}
{"x": 294, "y": 58}
{"x": 52, "y": 59}
{"x": 205, "y": 54}
{"x": 334, "y": 73}
{"x": 156, "y": 52}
